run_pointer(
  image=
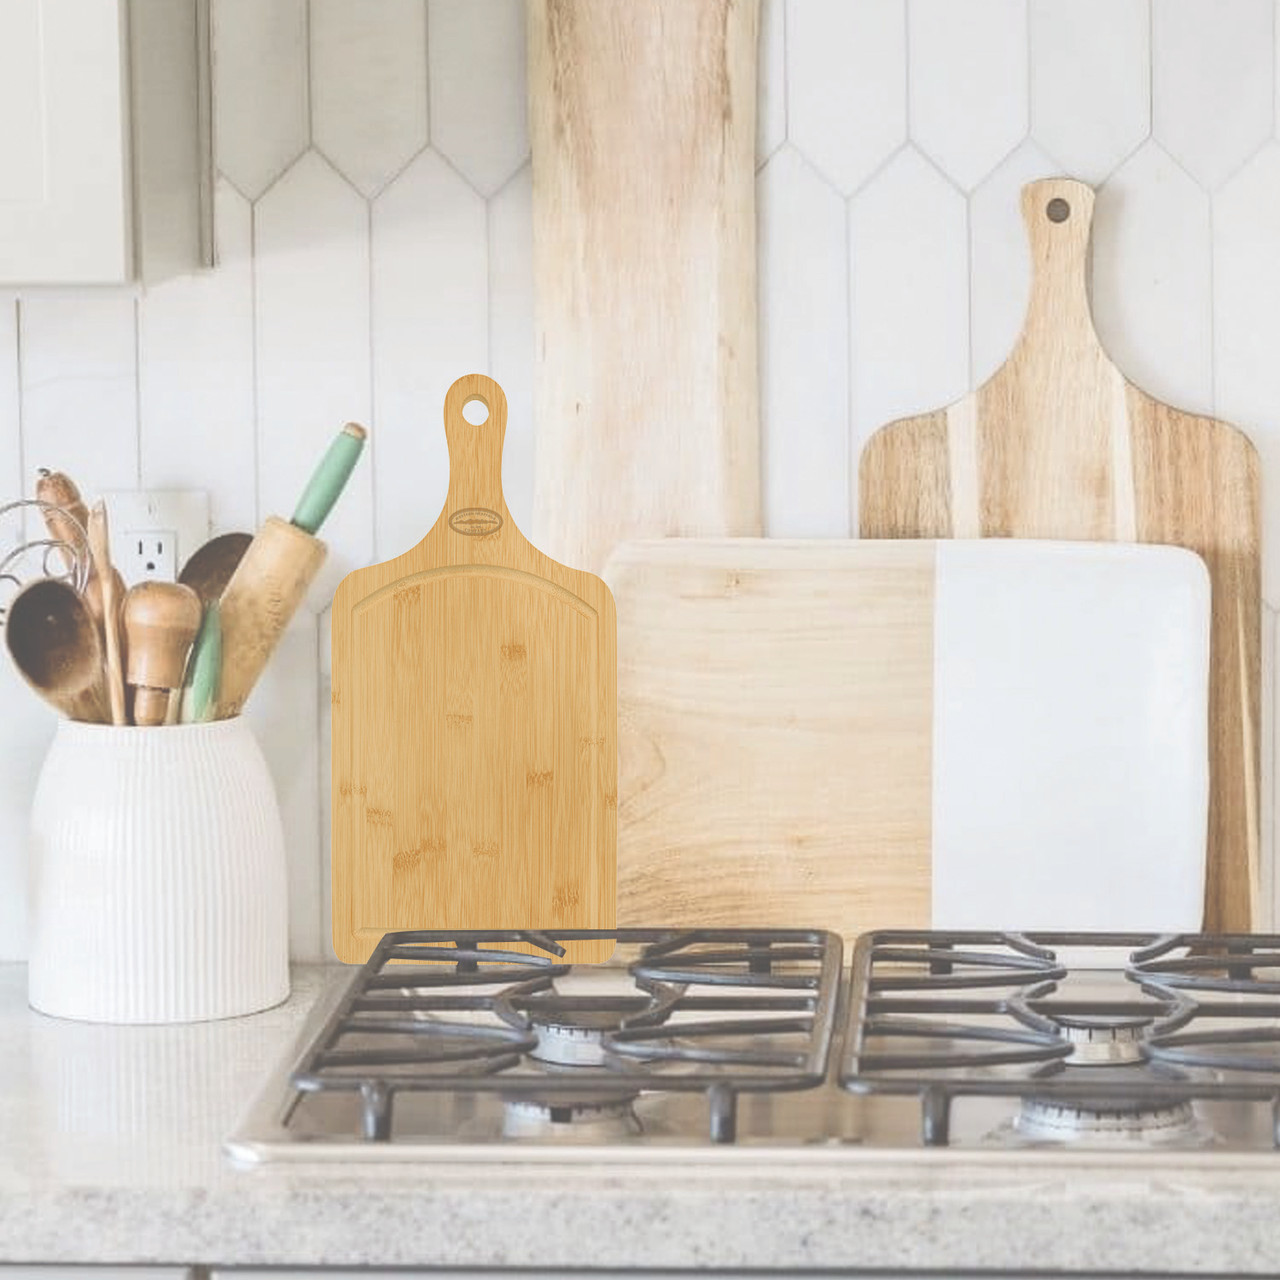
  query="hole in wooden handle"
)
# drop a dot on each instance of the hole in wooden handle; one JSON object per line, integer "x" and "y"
{"x": 475, "y": 411}
{"x": 1057, "y": 210}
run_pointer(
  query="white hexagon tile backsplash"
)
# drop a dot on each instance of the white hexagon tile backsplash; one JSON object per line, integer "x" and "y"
{"x": 374, "y": 231}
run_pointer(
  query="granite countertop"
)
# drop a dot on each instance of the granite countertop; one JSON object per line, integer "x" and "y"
{"x": 110, "y": 1151}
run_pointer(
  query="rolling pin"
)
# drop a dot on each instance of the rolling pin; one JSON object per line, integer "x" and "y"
{"x": 272, "y": 579}
{"x": 160, "y": 622}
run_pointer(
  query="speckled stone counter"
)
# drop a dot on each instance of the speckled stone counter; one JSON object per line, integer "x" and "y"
{"x": 110, "y": 1151}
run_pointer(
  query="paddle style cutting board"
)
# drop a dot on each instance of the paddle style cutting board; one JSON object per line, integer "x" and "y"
{"x": 1058, "y": 444}
{"x": 888, "y": 734}
{"x": 642, "y": 128}
{"x": 474, "y": 723}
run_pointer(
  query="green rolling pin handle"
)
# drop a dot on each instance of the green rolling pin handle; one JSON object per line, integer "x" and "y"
{"x": 200, "y": 692}
{"x": 330, "y": 478}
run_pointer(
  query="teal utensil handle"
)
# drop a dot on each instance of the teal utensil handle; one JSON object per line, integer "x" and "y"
{"x": 330, "y": 478}
{"x": 204, "y": 670}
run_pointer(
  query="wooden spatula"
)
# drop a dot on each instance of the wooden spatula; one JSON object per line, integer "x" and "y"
{"x": 1058, "y": 444}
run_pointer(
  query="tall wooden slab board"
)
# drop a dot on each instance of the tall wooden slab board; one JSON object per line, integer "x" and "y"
{"x": 776, "y": 732}
{"x": 474, "y": 724}
{"x": 1058, "y": 444}
{"x": 642, "y": 127}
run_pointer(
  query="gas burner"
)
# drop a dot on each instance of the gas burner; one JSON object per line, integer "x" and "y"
{"x": 1104, "y": 1041}
{"x": 569, "y": 1049}
{"x": 568, "y": 1044}
{"x": 608, "y": 1120}
{"x": 1082, "y": 1055}
{"x": 1124, "y": 1122}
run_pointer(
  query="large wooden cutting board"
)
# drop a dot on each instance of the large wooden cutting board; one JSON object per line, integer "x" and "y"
{"x": 642, "y": 126}
{"x": 872, "y": 734}
{"x": 1058, "y": 444}
{"x": 474, "y": 723}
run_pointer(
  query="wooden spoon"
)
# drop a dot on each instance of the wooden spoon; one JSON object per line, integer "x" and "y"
{"x": 210, "y": 567}
{"x": 54, "y": 642}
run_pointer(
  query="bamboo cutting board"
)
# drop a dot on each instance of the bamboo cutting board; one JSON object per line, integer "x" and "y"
{"x": 642, "y": 127}
{"x": 474, "y": 723}
{"x": 860, "y": 735}
{"x": 1058, "y": 444}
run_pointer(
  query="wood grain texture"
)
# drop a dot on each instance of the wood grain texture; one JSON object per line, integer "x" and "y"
{"x": 268, "y": 585}
{"x": 1058, "y": 444}
{"x": 642, "y": 120}
{"x": 775, "y": 710}
{"x": 474, "y": 724}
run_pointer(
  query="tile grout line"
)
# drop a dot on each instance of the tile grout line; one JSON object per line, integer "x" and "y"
{"x": 851, "y": 475}
{"x": 1213, "y": 308}
{"x": 371, "y": 444}
{"x": 306, "y": 79}
{"x": 488, "y": 282}
{"x": 20, "y": 399}
{"x": 137, "y": 385}
{"x": 906, "y": 73}
{"x": 255, "y": 363}
{"x": 786, "y": 75}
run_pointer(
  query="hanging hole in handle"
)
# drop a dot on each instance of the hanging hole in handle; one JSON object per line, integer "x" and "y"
{"x": 475, "y": 411}
{"x": 1057, "y": 210}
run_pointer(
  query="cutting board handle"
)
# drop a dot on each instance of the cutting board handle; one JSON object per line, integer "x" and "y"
{"x": 1058, "y": 213}
{"x": 475, "y": 451}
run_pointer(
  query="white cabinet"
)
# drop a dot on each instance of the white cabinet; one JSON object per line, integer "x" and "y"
{"x": 87, "y": 149}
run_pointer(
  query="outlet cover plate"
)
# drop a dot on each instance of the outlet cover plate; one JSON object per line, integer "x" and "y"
{"x": 180, "y": 513}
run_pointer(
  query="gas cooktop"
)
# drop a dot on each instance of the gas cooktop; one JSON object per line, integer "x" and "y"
{"x": 727, "y": 1042}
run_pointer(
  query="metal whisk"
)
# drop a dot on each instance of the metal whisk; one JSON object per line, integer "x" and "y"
{"x": 47, "y": 557}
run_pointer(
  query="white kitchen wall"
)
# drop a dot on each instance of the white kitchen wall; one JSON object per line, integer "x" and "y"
{"x": 373, "y": 215}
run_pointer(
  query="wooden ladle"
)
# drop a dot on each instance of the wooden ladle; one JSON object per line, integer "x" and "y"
{"x": 55, "y": 644}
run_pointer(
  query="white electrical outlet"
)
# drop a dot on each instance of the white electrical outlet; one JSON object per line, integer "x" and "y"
{"x": 154, "y": 532}
{"x": 151, "y": 553}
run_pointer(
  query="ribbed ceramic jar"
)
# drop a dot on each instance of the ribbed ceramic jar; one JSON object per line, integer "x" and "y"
{"x": 157, "y": 876}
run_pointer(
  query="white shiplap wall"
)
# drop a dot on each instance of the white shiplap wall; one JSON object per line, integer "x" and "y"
{"x": 373, "y": 210}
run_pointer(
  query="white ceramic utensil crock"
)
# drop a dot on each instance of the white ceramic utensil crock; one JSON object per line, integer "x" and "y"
{"x": 158, "y": 883}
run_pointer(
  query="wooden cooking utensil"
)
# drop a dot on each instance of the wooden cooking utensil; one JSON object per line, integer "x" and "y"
{"x": 55, "y": 645}
{"x": 642, "y": 126}
{"x": 100, "y": 550}
{"x": 273, "y": 575}
{"x": 264, "y": 593}
{"x": 160, "y": 622}
{"x": 1058, "y": 444}
{"x": 204, "y": 669}
{"x": 474, "y": 723}
{"x": 209, "y": 568}
{"x": 60, "y": 491}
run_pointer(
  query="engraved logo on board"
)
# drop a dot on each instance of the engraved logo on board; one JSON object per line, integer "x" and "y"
{"x": 475, "y": 522}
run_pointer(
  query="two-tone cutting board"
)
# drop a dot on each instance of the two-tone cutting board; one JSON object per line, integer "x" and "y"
{"x": 1058, "y": 444}
{"x": 474, "y": 723}
{"x": 879, "y": 734}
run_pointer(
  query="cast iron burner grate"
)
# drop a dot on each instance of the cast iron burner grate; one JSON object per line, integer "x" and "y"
{"x": 947, "y": 1015}
{"x": 713, "y": 1011}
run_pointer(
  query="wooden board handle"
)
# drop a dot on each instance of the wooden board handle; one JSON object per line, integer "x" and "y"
{"x": 1058, "y": 213}
{"x": 475, "y": 451}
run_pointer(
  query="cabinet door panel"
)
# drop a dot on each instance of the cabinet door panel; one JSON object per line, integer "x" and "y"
{"x": 64, "y": 190}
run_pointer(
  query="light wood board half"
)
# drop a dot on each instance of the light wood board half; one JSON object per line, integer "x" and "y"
{"x": 776, "y": 702}
{"x": 642, "y": 126}
{"x": 474, "y": 724}
{"x": 1059, "y": 444}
